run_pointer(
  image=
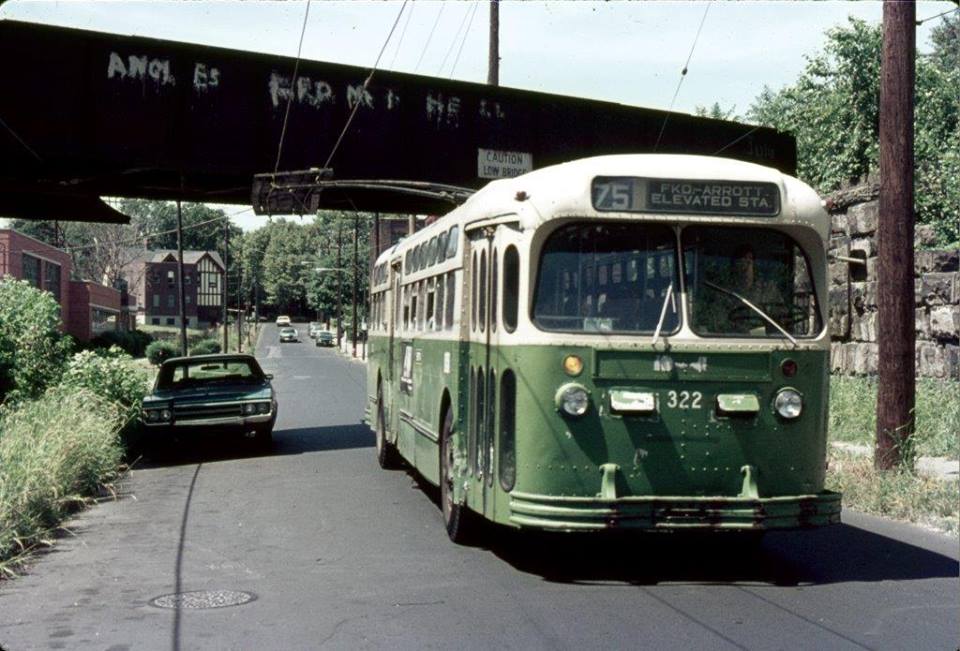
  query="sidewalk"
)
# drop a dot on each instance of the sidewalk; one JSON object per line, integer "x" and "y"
{"x": 941, "y": 468}
{"x": 346, "y": 348}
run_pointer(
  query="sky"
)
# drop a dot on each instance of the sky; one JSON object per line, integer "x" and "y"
{"x": 627, "y": 52}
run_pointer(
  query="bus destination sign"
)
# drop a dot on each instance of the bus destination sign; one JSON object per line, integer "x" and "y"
{"x": 740, "y": 198}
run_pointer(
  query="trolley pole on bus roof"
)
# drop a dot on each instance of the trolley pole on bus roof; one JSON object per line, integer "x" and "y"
{"x": 896, "y": 394}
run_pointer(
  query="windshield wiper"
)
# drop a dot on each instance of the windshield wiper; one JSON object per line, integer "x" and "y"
{"x": 769, "y": 319}
{"x": 663, "y": 314}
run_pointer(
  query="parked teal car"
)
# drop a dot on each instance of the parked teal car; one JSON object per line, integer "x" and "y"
{"x": 211, "y": 394}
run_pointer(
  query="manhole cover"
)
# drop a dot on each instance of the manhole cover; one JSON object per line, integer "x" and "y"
{"x": 203, "y": 599}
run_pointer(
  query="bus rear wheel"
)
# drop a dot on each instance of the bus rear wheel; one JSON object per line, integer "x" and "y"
{"x": 387, "y": 455}
{"x": 456, "y": 517}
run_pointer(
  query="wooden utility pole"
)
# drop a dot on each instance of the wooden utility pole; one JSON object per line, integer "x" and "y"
{"x": 895, "y": 293}
{"x": 493, "y": 65}
{"x": 356, "y": 264}
{"x": 226, "y": 268}
{"x": 339, "y": 284}
{"x": 182, "y": 293}
{"x": 239, "y": 309}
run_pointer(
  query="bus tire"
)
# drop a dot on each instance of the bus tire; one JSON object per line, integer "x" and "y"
{"x": 456, "y": 517}
{"x": 387, "y": 455}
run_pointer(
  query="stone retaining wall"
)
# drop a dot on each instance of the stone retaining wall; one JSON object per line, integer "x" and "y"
{"x": 853, "y": 291}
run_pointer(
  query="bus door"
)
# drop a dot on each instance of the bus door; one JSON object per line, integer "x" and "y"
{"x": 482, "y": 367}
{"x": 394, "y": 317}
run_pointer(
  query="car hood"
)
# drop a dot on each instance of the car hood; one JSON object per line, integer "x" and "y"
{"x": 228, "y": 392}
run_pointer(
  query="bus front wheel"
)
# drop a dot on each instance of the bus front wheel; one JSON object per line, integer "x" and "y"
{"x": 456, "y": 518}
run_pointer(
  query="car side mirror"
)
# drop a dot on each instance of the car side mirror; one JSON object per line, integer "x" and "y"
{"x": 269, "y": 376}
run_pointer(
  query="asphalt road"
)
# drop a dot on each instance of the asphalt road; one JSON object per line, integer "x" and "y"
{"x": 337, "y": 553}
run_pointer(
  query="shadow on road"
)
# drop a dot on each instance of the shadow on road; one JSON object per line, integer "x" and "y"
{"x": 300, "y": 440}
{"x": 838, "y": 554}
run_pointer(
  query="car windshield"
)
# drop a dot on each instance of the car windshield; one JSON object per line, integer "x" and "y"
{"x": 748, "y": 282}
{"x": 608, "y": 277}
{"x": 203, "y": 372}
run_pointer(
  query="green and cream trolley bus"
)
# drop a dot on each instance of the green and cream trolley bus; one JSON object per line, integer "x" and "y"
{"x": 619, "y": 342}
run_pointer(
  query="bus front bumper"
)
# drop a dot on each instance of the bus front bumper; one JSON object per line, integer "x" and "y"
{"x": 674, "y": 513}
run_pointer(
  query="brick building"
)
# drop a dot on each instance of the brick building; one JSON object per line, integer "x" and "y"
{"x": 86, "y": 308}
{"x": 153, "y": 287}
{"x": 94, "y": 310}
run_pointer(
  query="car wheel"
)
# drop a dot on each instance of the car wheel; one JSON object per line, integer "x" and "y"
{"x": 460, "y": 523}
{"x": 387, "y": 455}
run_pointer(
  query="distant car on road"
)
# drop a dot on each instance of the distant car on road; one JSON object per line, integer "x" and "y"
{"x": 283, "y": 320}
{"x": 209, "y": 394}
{"x": 314, "y": 328}
{"x": 289, "y": 334}
{"x": 325, "y": 338}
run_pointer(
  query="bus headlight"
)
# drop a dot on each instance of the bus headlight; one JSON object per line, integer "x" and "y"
{"x": 573, "y": 400}
{"x": 788, "y": 403}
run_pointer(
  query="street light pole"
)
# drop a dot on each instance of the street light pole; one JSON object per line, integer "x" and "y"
{"x": 183, "y": 321}
{"x": 226, "y": 269}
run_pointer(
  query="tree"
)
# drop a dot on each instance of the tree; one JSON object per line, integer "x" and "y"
{"x": 833, "y": 110}
{"x": 716, "y": 112}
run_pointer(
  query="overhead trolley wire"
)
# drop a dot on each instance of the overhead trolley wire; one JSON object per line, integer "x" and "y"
{"x": 942, "y": 13}
{"x": 366, "y": 84}
{"x": 463, "y": 42}
{"x": 430, "y": 37}
{"x": 456, "y": 36}
{"x": 293, "y": 86}
{"x": 683, "y": 74}
{"x": 403, "y": 33}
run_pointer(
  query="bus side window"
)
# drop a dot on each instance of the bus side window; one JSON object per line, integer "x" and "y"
{"x": 451, "y": 299}
{"x": 493, "y": 292}
{"x": 473, "y": 293}
{"x": 453, "y": 241}
{"x": 482, "y": 309}
{"x": 438, "y": 311}
{"x": 431, "y": 306}
{"x": 511, "y": 287}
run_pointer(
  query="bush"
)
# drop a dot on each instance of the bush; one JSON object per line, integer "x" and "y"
{"x": 160, "y": 351}
{"x": 206, "y": 347}
{"x": 112, "y": 375}
{"x": 134, "y": 342}
{"x": 32, "y": 348}
{"x": 54, "y": 453}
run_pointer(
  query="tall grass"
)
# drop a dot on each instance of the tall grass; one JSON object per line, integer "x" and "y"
{"x": 55, "y": 452}
{"x": 853, "y": 414}
{"x": 901, "y": 495}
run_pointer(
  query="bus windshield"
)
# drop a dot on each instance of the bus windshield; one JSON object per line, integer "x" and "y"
{"x": 747, "y": 282}
{"x": 608, "y": 277}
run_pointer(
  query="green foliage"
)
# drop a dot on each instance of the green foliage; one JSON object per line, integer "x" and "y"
{"x": 134, "y": 342}
{"x": 160, "y": 351}
{"x": 853, "y": 414}
{"x": 32, "y": 348}
{"x": 833, "y": 110}
{"x": 902, "y": 495}
{"x": 111, "y": 374}
{"x": 55, "y": 452}
{"x": 716, "y": 112}
{"x": 206, "y": 347}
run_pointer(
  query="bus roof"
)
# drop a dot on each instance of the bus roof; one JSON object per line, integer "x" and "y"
{"x": 565, "y": 189}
